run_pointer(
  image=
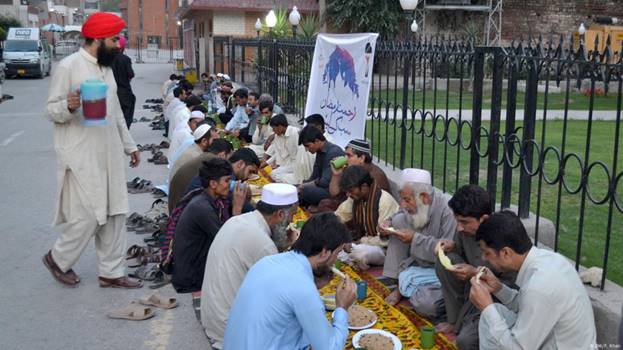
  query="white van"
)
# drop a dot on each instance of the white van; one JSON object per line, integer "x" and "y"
{"x": 26, "y": 53}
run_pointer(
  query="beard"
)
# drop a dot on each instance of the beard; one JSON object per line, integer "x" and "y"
{"x": 279, "y": 234}
{"x": 105, "y": 55}
{"x": 420, "y": 218}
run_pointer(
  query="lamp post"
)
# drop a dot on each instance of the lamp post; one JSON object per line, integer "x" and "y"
{"x": 409, "y": 7}
{"x": 582, "y": 31}
{"x": 271, "y": 22}
{"x": 294, "y": 18}
{"x": 258, "y": 27}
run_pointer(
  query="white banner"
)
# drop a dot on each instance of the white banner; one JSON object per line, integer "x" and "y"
{"x": 339, "y": 84}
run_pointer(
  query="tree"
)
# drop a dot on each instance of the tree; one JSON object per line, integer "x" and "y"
{"x": 7, "y": 22}
{"x": 383, "y": 17}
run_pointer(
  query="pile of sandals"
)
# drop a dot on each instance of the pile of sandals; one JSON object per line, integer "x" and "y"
{"x": 144, "y": 308}
{"x": 138, "y": 185}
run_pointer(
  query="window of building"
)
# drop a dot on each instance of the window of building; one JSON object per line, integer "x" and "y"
{"x": 91, "y": 5}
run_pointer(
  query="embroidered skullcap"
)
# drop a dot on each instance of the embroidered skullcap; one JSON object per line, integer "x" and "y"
{"x": 360, "y": 145}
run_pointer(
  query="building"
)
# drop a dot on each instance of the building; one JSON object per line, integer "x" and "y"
{"x": 151, "y": 23}
{"x": 208, "y": 24}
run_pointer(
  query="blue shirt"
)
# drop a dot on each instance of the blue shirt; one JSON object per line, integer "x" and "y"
{"x": 279, "y": 307}
{"x": 240, "y": 120}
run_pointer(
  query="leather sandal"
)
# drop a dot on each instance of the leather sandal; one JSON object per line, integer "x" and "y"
{"x": 121, "y": 282}
{"x": 67, "y": 278}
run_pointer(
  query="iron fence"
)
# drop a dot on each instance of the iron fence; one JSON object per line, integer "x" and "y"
{"x": 537, "y": 123}
{"x": 142, "y": 52}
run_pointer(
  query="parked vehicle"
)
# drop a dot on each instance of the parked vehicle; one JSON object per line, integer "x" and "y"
{"x": 66, "y": 47}
{"x": 27, "y": 53}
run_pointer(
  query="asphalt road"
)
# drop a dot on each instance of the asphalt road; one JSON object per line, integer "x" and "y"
{"x": 36, "y": 311}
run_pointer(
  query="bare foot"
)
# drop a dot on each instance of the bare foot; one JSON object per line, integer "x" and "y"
{"x": 394, "y": 297}
{"x": 444, "y": 327}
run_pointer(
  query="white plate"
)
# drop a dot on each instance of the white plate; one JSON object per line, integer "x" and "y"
{"x": 253, "y": 177}
{"x": 356, "y": 337}
{"x": 364, "y": 327}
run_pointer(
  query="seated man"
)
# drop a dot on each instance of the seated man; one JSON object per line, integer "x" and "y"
{"x": 240, "y": 243}
{"x": 366, "y": 207}
{"x": 471, "y": 206}
{"x": 316, "y": 188}
{"x": 182, "y": 136}
{"x": 269, "y": 98}
{"x": 551, "y": 309}
{"x": 199, "y": 223}
{"x": 262, "y": 136}
{"x": 239, "y": 123}
{"x": 253, "y": 111}
{"x": 219, "y": 148}
{"x": 278, "y": 305}
{"x": 243, "y": 161}
{"x": 179, "y": 95}
{"x": 304, "y": 165}
{"x": 358, "y": 152}
{"x": 181, "y": 116}
{"x": 281, "y": 154}
{"x": 425, "y": 218}
{"x": 165, "y": 86}
{"x": 202, "y": 137}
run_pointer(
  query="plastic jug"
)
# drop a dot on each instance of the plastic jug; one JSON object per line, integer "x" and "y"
{"x": 93, "y": 93}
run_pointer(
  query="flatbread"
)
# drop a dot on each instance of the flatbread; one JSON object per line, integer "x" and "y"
{"x": 445, "y": 261}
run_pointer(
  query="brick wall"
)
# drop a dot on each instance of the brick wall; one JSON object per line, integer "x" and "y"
{"x": 155, "y": 21}
{"x": 229, "y": 23}
{"x": 524, "y": 17}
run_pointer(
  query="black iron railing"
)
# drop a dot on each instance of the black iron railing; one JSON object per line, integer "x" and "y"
{"x": 537, "y": 123}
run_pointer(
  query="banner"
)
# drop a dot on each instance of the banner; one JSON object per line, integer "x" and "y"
{"x": 339, "y": 84}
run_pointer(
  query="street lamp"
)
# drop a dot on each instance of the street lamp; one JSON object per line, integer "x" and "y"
{"x": 271, "y": 21}
{"x": 414, "y": 26}
{"x": 295, "y": 18}
{"x": 409, "y": 6}
{"x": 258, "y": 27}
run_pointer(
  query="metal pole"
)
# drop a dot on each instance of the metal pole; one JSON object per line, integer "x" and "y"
{"x": 479, "y": 75}
{"x": 496, "y": 111}
{"x": 525, "y": 179}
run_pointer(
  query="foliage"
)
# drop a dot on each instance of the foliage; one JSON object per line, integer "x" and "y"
{"x": 282, "y": 29}
{"x": 7, "y": 22}
{"x": 110, "y": 5}
{"x": 308, "y": 27}
{"x": 473, "y": 33}
{"x": 2, "y": 34}
{"x": 383, "y": 17}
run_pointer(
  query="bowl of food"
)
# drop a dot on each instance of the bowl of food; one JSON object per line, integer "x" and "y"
{"x": 376, "y": 339}
{"x": 360, "y": 317}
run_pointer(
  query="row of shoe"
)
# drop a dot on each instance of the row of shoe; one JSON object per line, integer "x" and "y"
{"x": 153, "y": 147}
{"x": 159, "y": 158}
{"x": 154, "y": 100}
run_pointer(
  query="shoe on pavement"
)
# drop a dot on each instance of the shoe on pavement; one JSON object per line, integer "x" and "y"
{"x": 67, "y": 278}
{"x": 121, "y": 282}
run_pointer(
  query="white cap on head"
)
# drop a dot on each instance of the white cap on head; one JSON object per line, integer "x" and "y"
{"x": 226, "y": 77}
{"x": 279, "y": 194}
{"x": 197, "y": 115}
{"x": 201, "y": 131}
{"x": 416, "y": 175}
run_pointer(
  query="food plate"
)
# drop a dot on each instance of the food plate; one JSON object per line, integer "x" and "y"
{"x": 361, "y": 309}
{"x": 357, "y": 337}
{"x": 253, "y": 177}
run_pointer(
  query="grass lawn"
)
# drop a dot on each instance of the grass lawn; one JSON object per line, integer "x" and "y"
{"x": 577, "y": 101}
{"x": 454, "y": 172}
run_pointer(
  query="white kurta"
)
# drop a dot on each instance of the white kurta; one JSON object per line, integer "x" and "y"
{"x": 179, "y": 116}
{"x": 95, "y": 155}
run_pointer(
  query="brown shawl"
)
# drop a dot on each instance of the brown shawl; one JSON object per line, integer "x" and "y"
{"x": 366, "y": 214}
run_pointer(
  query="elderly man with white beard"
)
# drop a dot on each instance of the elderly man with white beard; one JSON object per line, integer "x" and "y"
{"x": 413, "y": 232}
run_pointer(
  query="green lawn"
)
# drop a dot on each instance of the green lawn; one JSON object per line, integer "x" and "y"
{"x": 577, "y": 101}
{"x": 454, "y": 172}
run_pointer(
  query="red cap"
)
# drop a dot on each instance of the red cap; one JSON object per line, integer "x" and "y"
{"x": 102, "y": 25}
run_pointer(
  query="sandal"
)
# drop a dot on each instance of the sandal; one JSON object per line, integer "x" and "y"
{"x": 164, "y": 145}
{"x": 145, "y": 273}
{"x": 133, "y": 312}
{"x": 161, "y": 280}
{"x": 158, "y": 300}
{"x": 161, "y": 160}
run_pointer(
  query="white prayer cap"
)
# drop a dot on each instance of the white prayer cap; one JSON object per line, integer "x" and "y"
{"x": 279, "y": 194}
{"x": 201, "y": 131}
{"x": 416, "y": 175}
{"x": 219, "y": 74}
{"x": 197, "y": 115}
{"x": 226, "y": 77}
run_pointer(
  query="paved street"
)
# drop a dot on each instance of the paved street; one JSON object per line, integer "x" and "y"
{"x": 37, "y": 312}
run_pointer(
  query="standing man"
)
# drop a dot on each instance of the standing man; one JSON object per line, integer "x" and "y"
{"x": 92, "y": 199}
{"x": 122, "y": 69}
